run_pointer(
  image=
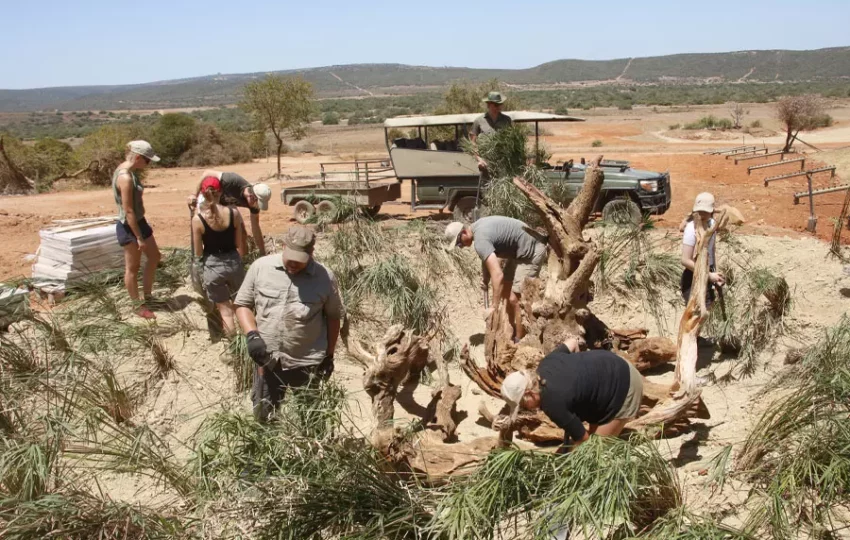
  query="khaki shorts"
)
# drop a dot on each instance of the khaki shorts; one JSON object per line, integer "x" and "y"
{"x": 631, "y": 405}
{"x": 516, "y": 270}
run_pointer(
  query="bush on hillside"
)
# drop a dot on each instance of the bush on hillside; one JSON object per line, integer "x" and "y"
{"x": 210, "y": 147}
{"x": 755, "y": 124}
{"x": 711, "y": 122}
{"x": 171, "y": 136}
{"x": 330, "y": 119}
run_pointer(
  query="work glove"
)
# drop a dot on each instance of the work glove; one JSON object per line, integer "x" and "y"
{"x": 257, "y": 350}
{"x": 326, "y": 367}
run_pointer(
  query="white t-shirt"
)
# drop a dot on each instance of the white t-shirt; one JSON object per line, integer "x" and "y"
{"x": 690, "y": 239}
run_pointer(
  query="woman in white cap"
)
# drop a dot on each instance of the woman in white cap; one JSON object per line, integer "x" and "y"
{"x": 132, "y": 229}
{"x": 238, "y": 192}
{"x": 704, "y": 209}
{"x": 572, "y": 387}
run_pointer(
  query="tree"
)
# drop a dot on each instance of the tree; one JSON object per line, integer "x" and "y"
{"x": 798, "y": 113}
{"x": 172, "y": 136}
{"x": 738, "y": 112}
{"x": 12, "y": 180}
{"x": 103, "y": 150}
{"x": 330, "y": 119}
{"x": 279, "y": 104}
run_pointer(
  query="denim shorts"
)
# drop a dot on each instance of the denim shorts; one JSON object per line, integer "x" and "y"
{"x": 125, "y": 233}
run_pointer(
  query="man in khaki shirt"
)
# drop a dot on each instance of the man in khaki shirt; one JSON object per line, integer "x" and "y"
{"x": 298, "y": 312}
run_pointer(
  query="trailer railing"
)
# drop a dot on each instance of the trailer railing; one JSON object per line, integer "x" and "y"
{"x": 358, "y": 171}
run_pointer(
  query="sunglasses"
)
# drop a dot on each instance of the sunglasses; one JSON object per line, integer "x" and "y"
{"x": 147, "y": 159}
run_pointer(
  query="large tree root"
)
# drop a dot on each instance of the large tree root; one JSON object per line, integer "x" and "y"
{"x": 558, "y": 308}
{"x": 424, "y": 454}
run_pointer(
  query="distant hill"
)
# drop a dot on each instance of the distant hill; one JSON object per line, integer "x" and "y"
{"x": 376, "y": 79}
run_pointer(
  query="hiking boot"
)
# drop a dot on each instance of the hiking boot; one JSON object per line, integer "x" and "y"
{"x": 145, "y": 313}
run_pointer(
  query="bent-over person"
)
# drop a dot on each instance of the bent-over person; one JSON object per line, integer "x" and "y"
{"x": 500, "y": 237}
{"x": 218, "y": 234}
{"x": 239, "y": 193}
{"x": 134, "y": 233}
{"x": 571, "y": 387}
{"x": 298, "y": 309}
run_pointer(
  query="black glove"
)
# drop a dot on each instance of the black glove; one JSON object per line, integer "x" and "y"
{"x": 257, "y": 349}
{"x": 326, "y": 368}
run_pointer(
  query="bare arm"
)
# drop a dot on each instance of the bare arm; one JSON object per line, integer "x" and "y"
{"x": 497, "y": 279}
{"x": 257, "y": 233}
{"x": 197, "y": 237}
{"x": 688, "y": 257}
{"x": 333, "y": 334}
{"x": 246, "y": 319}
{"x": 239, "y": 227}
{"x": 125, "y": 187}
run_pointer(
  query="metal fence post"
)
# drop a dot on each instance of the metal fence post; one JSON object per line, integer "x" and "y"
{"x": 813, "y": 221}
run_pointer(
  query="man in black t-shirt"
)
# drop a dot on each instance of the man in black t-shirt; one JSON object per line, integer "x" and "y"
{"x": 595, "y": 386}
{"x": 238, "y": 192}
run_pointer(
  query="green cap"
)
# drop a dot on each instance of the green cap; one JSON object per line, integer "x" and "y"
{"x": 494, "y": 97}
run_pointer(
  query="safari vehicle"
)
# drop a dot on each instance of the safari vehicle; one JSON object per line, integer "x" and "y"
{"x": 444, "y": 177}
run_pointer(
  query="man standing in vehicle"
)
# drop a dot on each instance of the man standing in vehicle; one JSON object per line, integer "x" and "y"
{"x": 488, "y": 123}
{"x": 298, "y": 317}
{"x": 238, "y": 192}
{"x": 500, "y": 237}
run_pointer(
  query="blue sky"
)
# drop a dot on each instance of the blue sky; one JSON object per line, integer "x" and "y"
{"x": 62, "y": 43}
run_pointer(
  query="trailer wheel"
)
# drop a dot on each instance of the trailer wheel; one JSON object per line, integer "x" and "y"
{"x": 622, "y": 212}
{"x": 327, "y": 210}
{"x": 371, "y": 211}
{"x": 464, "y": 209}
{"x": 303, "y": 211}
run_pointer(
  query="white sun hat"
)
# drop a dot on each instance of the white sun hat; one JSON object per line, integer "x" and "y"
{"x": 513, "y": 388}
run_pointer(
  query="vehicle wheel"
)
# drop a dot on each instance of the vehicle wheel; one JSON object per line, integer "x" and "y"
{"x": 303, "y": 211}
{"x": 464, "y": 208}
{"x": 622, "y": 212}
{"x": 326, "y": 209}
{"x": 371, "y": 211}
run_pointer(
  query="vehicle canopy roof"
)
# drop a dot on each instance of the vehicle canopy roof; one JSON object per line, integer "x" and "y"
{"x": 460, "y": 119}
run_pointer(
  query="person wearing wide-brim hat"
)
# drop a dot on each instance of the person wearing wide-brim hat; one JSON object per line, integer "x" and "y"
{"x": 494, "y": 119}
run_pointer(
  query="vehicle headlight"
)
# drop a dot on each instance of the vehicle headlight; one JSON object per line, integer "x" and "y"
{"x": 649, "y": 185}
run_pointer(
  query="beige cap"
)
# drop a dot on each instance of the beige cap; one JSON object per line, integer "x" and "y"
{"x": 263, "y": 193}
{"x": 704, "y": 203}
{"x": 143, "y": 148}
{"x": 298, "y": 242}
{"x": 513, "y": 388}
{"x": 453, "y": 230}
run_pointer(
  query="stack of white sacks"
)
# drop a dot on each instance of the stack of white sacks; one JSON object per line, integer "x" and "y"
{"x": 70, "y": 252}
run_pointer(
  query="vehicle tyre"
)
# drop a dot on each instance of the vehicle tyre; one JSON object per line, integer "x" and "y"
{"x": 464, "y": 209}
{"x": 326, "y": 209}
{"x": 622, "y": 212}
{"x": 303, "y": 211}
{"x": 371, "y": 211}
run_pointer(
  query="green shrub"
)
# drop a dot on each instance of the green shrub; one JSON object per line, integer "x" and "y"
{"x": 711, "y": 122}
{"x": 172, "y": 136}
{"x": 596, "y": 144}
{"x": 755, "y": 124}
{"x": 104, "y": 150}
{"x": 819, "y": 121}
{"x": 211, "y": 147}
{"x": 330, "y": 119}
{"x": 673, "y": 127}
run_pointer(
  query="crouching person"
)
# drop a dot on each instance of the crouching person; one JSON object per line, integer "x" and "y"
{"x": 298, "y": 312}
{"x": 571, "y": 387}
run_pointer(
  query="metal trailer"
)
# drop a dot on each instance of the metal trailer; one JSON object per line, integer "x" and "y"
{"x": 364, "y": 183}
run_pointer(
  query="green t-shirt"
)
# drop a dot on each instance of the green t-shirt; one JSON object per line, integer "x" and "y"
{"x": 484, "y": 125}
{"x": 138, "y": 189}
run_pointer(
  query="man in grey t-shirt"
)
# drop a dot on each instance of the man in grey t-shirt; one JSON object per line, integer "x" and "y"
{"x": 500, "y": 237}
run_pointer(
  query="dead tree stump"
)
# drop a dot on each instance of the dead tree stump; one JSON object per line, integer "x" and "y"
{"x": 12, "y": 180}
{"x": 558, "y": 308}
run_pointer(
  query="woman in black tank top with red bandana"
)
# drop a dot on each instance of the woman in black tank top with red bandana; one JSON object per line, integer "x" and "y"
{"x": 218, "y": 238}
